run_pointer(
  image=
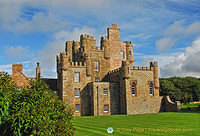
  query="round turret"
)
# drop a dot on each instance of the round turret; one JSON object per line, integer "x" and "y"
{"x": 85, "y": 44}
{"x": 129, "y": 51}
{"x": 64, "y": 60}
{"x": 126, "y": 69}
{"x": 105, "y": 46}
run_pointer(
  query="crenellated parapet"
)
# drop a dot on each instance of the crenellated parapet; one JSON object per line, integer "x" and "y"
{"x": 115, "y": 71}
{"x": 79, "y": 64}
{"x": 128, "y": 44}
{"x": 142, "y": 68}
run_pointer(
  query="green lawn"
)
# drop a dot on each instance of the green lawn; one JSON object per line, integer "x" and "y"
{"x": 166, "y": 124}
{"x": 190, "y": 105}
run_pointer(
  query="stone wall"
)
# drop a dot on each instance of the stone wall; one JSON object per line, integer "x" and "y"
{"x": 142, "y": 102}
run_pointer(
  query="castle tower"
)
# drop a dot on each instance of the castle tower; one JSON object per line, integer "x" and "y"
{"x": 85, "y": 44}
{"x": 64, "y": 61}
{"x": 38, "y": 71}
{"x": 113, "y": 33}
{"x": 129, "y": 51}
{"x": 156, "y": 76}
{"x": 105, "y": 45}
{"x": 92, "y": 42}
{"x": 126, "y": 69}
{"x": 115, "y": 47}
{"x": 76, "y": 46}
{"x": 68, "y": 50}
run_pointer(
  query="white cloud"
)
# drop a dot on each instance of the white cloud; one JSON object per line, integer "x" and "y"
{"x": 165, "y": 43}
{"x": 45, "y": 15}
{"x": 47, "y": 56}
{"x": 184, "y": 64}
{"x": 175, "y": 32}
{"x": 17, "y": 52}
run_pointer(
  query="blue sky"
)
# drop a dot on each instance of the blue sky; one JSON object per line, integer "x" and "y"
{"x": 167, "y": 31}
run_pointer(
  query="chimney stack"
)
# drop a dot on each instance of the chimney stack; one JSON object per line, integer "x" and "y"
{"x": 16, "y": 68}
{"x": 38, "y": 71}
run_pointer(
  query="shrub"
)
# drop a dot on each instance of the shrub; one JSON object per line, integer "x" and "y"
{"x": 35, "y": 110}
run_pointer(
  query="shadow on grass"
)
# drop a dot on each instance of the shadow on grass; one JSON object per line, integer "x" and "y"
{"x": 190, "y": 110}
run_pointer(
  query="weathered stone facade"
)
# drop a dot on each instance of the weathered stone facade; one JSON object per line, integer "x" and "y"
{"x": 102, "y": 80}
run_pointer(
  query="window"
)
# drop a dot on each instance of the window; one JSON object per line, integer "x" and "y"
{"x": 129, "y": 53}
{"x": 151, "y": 89}
{"x": 121, "y": 54}
{"x": 96, "y": 63}
{"x": 133, "y": 88}
{"x": 76, "y": 77}
{"x": 106, "y": 108}
{"x": 105, "y": 91}
{"x": 97, "y": 79}
{"x": 77, "y": 107}
{"x": 77, "y": 93}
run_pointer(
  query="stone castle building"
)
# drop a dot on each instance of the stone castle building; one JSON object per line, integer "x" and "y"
{"x": 103, "y": 81}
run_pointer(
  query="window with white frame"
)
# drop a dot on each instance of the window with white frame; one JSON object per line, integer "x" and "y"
{"x": 76, "y": 77}
{"x": 77, "y": 93}
{"x": 121, "y": 54}
{"x": 151, "y": 88}
{"x": 106, "y": 108}
{"x": 77, "y": 107}
{"x": 105, "y": 91}
{"x": 133, "y": 88}
{"x": 96, "y": 63}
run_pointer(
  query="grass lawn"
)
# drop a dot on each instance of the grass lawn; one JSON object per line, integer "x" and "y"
{"x": 158, "y": 124}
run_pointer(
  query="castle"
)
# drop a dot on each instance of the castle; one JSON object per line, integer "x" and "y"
{"x": 102, "y": 80}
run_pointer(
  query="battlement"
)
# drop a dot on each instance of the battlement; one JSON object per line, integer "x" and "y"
{"x": 76, "y": 43}
{"x": 114, "y": 70}
{"x": 104, "y": 38}
{"x": 128, "y": 43}
{"x": 63, "y": 53}
{"x": 114, "y": 25}
{"x": 81, "y": 64}
{"x": 142, "y": 68}
{"x": 85, "y": 36}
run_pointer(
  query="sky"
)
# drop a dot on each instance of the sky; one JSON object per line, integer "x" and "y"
{"x": 167, "y": 31}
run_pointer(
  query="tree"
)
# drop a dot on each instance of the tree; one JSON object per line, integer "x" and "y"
{"x": 184, "y": 89}
{"x": 34, "y": 110}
